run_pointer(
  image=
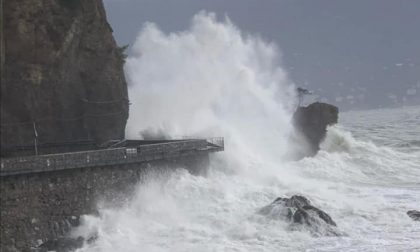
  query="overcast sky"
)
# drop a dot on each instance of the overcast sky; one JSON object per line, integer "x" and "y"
{"x": 353, "y": 53}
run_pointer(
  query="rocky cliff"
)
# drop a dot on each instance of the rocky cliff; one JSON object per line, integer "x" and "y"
{"x": 311, "y": 123}
{"x": 62, "y": 73}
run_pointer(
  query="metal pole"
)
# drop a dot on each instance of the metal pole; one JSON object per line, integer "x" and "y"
{"x": 300, "y": 99}
{"x": 36, "y": 139}
{"x": 2, "y": 41}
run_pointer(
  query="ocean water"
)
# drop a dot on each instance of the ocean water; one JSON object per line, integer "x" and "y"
{"x": 367, "y": 176}
{"x": 214, "y": 80}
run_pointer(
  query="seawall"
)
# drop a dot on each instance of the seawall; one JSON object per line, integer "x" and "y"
{"x": 42, "y": 205}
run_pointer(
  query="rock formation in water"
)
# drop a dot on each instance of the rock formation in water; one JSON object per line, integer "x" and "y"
{"x": 61, "y": 73}
{"x": 311, "y": 123}
{"x": 299, "y": 211}
{"x": 65, "y": 243}
{"x": 414, "y": 214}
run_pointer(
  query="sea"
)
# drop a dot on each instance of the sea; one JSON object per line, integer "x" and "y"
{"x": 214, "y": 80}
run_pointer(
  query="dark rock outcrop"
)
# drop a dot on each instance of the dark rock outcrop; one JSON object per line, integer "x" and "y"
{"x": 414, "y": 214}
{"x": 299, "y": 211}
{"x": 63, "y": 244}
{"x": 62, "y": 73}
{"x": 311, "y": 123}
{"x": 66, "y": 244}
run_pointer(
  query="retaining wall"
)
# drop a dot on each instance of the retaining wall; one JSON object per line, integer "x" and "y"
{"x": 42, "y": 206}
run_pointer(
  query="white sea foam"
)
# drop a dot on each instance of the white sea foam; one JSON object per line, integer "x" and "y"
{"x": 210, "y": 80}
{"x": 213, "y": 80}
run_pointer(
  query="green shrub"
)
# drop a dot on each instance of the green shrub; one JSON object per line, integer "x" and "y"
{"x": 122, "y": 52}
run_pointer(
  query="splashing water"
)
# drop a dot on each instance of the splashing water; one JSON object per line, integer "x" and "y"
{"x": 213, "y": 80}
{"x": 210, "y": 80}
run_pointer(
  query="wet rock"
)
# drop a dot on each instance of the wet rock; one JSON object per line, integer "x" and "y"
{"x": 311, "y": 124}
{"x": 414, "y": 214}
{"x": 299, "y": 211}
{"x": 62, "y": 244}
{"x": 92, "y": 238}
{"x": 66, "y": 244}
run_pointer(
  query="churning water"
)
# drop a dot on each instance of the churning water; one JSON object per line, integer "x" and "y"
{"x": 213, "y": 80}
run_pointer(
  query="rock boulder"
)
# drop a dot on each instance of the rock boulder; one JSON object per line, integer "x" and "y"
{"x": 311, "y": 124}
{"x": 299, "y": 211}
{"x": 414, "y": 214}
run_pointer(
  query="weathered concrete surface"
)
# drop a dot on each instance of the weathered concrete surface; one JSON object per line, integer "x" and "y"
{"x": 41, "y": 207}
{"x": 311, "y": 123}
{"x": 62, "y": 71}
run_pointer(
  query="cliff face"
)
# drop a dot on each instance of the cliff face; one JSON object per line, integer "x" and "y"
{"x": 62, "y": 73}
{"x": 311, "y": 122}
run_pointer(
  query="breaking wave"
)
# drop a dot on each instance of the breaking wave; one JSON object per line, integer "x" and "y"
{"x": 210, "y": 80}
{"x": 214, "y": 80}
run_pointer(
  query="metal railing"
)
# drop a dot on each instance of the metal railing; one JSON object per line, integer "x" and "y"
{"x": 103, "y": 157}
{"x": 217, "y": 141}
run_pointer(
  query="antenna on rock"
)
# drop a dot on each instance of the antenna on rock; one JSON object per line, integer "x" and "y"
{"x": 301, "y": 93}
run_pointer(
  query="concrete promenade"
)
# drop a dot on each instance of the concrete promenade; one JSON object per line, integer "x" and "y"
{"x": 134, "y": 151}
{"x": 44, "y": 196}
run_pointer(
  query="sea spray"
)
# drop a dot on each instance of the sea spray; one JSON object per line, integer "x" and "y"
{"x": 214, "y": 80}
{"x": 210, "y": 80}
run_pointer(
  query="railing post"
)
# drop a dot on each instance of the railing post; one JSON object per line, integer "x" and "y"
{"x": 140, "y": 153}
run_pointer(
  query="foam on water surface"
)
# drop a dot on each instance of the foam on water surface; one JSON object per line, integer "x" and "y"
{"x": 211, "y": 79}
